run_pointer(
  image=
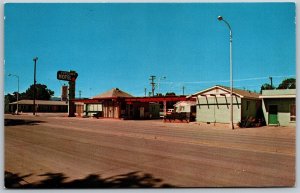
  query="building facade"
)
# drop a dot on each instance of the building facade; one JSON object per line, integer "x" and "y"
{"x": 117, "y": 104}
{"x": 185, "y": 107}
{"x": 142, "y": 110}
{"x": 213, "y": 105}
{"x": 40, "y": 105}
{"x": 279, "y": 107}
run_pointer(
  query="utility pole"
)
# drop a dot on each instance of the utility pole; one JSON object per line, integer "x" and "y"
{"x": 34, "y": 84}
{"x": 183, "y": 87}
{"x": 152, "y": 78}
{"x": 271, "y": 79}
{"x": 79, "y": 94}
{"x": 145, "y": 90}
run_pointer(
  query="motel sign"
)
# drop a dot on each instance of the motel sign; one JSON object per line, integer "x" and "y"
{"x": 68, "y": 76}
{"x": 71, "y": 78}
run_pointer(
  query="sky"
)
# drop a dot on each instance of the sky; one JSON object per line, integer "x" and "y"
{"x": 120, "y": 45}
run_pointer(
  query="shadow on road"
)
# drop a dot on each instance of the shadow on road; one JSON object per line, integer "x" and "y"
{"x": 57, "y": 180}
{"x": 14, "y": 122}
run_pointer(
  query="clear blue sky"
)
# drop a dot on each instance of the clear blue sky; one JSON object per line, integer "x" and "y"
{"x": 121, "y": 45}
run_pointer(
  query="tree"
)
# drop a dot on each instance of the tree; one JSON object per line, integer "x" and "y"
{"x": 42, "y": 92}
{"x": 287, "y": 83}
{"x": 266, "y": 86}
{"x": 11, "y": 97}
{"x": 170, "y": 94}
{"x": 8, "y": 98}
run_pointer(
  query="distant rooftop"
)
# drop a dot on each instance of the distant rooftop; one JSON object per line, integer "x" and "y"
{"x": 113, "y": 93}
{"x": 241, "y": 93}
{"x": 244, "y": 93}
{"x": 40, "y": 102}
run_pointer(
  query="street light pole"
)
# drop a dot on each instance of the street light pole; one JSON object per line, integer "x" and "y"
{"x": 34, "y": 84}
{"x": 220, "y": 18}
{"x": 18, "y": 91}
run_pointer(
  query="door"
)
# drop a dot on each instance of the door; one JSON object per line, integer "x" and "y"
{"x": 110, "y": 112}
{"x": 142, "y": 110}
{"x": 116, "y": 112}
{"x": 273, "y": 114}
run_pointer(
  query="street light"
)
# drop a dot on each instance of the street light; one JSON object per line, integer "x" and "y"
{"x": 220, "y": 18}
{"x": 17, "y": 92}
{"x": 34, "y": 84}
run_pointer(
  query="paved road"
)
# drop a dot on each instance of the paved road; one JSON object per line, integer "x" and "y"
{"x": 50, "y": 151}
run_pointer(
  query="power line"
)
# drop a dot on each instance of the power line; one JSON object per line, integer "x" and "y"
{"x": 236, "y": 80}
{"x": 258, "y": 84}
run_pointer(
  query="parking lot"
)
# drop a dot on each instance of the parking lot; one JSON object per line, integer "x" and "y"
{"x": 57, "y": 151}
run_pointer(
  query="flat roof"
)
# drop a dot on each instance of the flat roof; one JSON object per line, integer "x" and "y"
{"x": 279, "y": 93}
{"x": 156, "y": 99}
{"x": 277, "y": 96}
{"x": 40, "y": 102}
{"x": 137, "y": 99}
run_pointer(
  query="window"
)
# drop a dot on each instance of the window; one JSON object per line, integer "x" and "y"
{"x": 293, "y": 112}
{"x": 94, "y": 107}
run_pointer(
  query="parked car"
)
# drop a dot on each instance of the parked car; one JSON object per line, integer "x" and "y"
{"x": 170, "y": 111}
{"x": 162, "y": 113}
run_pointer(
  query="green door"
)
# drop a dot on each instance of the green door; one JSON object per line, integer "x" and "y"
{"x": 273, "y": 115}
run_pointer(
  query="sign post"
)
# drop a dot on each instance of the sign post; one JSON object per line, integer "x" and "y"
{"x": 71, "y": 78}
